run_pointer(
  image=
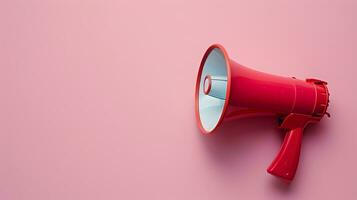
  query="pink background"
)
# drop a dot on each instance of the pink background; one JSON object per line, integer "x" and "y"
{"x": 97, "y": 99}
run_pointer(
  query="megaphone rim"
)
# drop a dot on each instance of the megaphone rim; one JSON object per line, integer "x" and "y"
{"x": 226, "y": 103}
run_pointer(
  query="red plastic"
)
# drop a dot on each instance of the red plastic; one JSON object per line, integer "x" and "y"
{"x": 287, "y": 160}
{"x": 296, "y": 102}
{"x": 285, "y": 164}
{"x": 207, "y": 87}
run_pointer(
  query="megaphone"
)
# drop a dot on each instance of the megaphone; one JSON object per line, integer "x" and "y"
{"x": 228, "y": 90}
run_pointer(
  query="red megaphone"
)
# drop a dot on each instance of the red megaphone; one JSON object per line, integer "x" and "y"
{"x": 226, "y": 89}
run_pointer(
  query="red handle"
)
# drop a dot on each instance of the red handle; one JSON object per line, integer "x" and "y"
{"x": 286, "y": 162}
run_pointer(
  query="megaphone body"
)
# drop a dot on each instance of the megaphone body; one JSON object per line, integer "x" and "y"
{"x": 226, "y": 90}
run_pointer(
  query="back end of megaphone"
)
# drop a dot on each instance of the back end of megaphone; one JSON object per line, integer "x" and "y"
{"x": 226, "y": 90}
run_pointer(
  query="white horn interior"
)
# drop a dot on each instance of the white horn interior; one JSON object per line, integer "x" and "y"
{"x": 211, "y": 105}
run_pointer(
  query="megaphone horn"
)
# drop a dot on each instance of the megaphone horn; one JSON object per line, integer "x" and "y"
{"x": 226, "y": 89}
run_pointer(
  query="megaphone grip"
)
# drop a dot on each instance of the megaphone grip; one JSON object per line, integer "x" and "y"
{"x": 286, "y": 162}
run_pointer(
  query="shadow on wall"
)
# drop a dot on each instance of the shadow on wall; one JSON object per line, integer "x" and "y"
{"x": 234, "y": 140}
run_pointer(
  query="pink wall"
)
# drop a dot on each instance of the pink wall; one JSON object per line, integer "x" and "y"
{"x": 97, "y": 99}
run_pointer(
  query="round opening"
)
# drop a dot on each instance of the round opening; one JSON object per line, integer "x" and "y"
{"x": 207, "y": 84}
{"x": 210, "y": 109}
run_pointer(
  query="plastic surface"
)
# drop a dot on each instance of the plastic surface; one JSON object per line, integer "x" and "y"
{"x": 251, "y": 93}
{"x": 286, "y": 162}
